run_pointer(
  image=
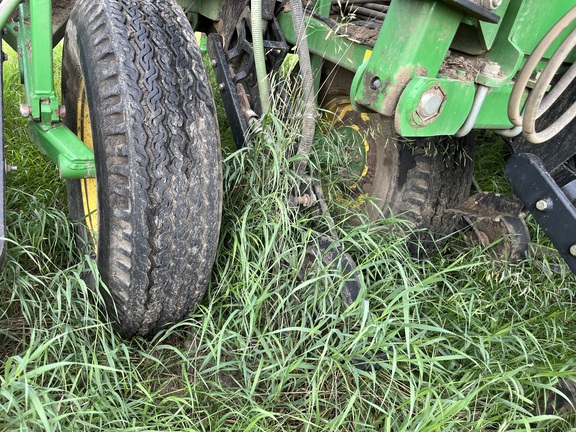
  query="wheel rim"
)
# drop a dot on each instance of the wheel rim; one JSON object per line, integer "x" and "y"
{"x": 354, "y": 131}
{"x": 87, "y": 185}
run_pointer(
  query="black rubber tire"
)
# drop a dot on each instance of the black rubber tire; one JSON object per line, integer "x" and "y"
{"x": 157, "y": 153}
{"x": 418, "y": 180}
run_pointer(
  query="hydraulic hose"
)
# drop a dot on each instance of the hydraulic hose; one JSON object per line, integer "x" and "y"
{"x": 6, "y": 9}
{"x": 259, "y": 55}
{"x": 536, "y": 103}
{"x": 309, "y": 120}
{"x": 473, "y": 116}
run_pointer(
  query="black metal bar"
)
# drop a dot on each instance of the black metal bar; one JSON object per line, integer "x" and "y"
{"x": 474, "y": 10}
{"x": 227, "y": 87}
{"x": 546, "y": 201}
{"x": 570, "y": 190}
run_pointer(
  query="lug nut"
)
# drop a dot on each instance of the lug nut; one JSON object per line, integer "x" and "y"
{"x": 25, "y": 110}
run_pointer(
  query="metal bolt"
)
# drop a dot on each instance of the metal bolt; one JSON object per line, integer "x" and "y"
{"x": 221, "y": 86}
{"x": 430, "y": 103}
{"x": 490, "y": 4}
{"x": 573, "y": 250}
{"x": 214, "y": 63}
{"x": 10, "y": 168}
{"x": 305, "y": 200}
{"x": 25, "y": 110}
{"x": 61, "y": 111}
{"x": 376, "y": 83}
{"x": 542, "y": 205}
{"x": 491, "y": 69}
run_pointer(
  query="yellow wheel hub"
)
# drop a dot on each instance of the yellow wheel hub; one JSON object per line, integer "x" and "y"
{"x": 88, "y": 185}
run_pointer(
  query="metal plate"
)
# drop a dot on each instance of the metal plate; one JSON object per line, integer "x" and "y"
{"x": 546, "y": 201}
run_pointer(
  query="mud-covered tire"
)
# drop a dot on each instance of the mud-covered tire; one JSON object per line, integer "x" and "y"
{"x": 418, "y": 180}
{"x": 135, "y": 86}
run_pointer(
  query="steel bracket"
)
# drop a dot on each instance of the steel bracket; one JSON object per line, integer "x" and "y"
{"x": 33, "y": 37}
{"x": 232, "y": 105}
{"x": 546, "y": 201}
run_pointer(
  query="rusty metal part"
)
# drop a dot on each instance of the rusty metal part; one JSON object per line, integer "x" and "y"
{"x": 305, "y": 200}
{"x": 249, "y": 114}
{"x": 61, "y": 111}
{"x": 326, "y": 252}
{"x": 497, "y": 220}
{"x": 508, "y": 235}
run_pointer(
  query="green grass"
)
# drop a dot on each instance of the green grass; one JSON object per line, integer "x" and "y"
{"x": 471, "y": 344}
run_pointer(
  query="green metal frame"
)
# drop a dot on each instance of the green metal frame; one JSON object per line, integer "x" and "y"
{"x": 32, "y": 38}
{"x": 390, "y": 78}
{"x": 414, "y": 41}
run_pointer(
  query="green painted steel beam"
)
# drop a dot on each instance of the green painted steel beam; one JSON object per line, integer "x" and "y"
{"x": 323, "y": 41}
{"x": 35, "y": 50}
{"x": 73, "y": 158}
{"x": 414, "y": 40}
{"x": 32, "y": 36}
{"x": 456, "y": 99}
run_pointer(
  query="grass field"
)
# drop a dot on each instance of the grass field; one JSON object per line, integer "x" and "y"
{"x": 459, "y": 342}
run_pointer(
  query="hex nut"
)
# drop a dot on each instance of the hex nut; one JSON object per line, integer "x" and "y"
{"x": 430, "y": 103}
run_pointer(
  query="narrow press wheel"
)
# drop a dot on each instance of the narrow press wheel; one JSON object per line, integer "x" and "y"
{"x": 137, "y": 92}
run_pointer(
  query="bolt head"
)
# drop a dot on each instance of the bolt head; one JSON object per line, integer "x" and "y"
{"x": 376, "y": 83}
{"x": 491, "y": 69}
{"x": 9, "y": 168}
{"x": 25, "y": 110}
{"x": 430, "y": 103}
{"x": 542, "y": 205}
{"x": 61, "y": 111}
{"x": 573, "y": 250}
{"x": 221, "y": 86}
